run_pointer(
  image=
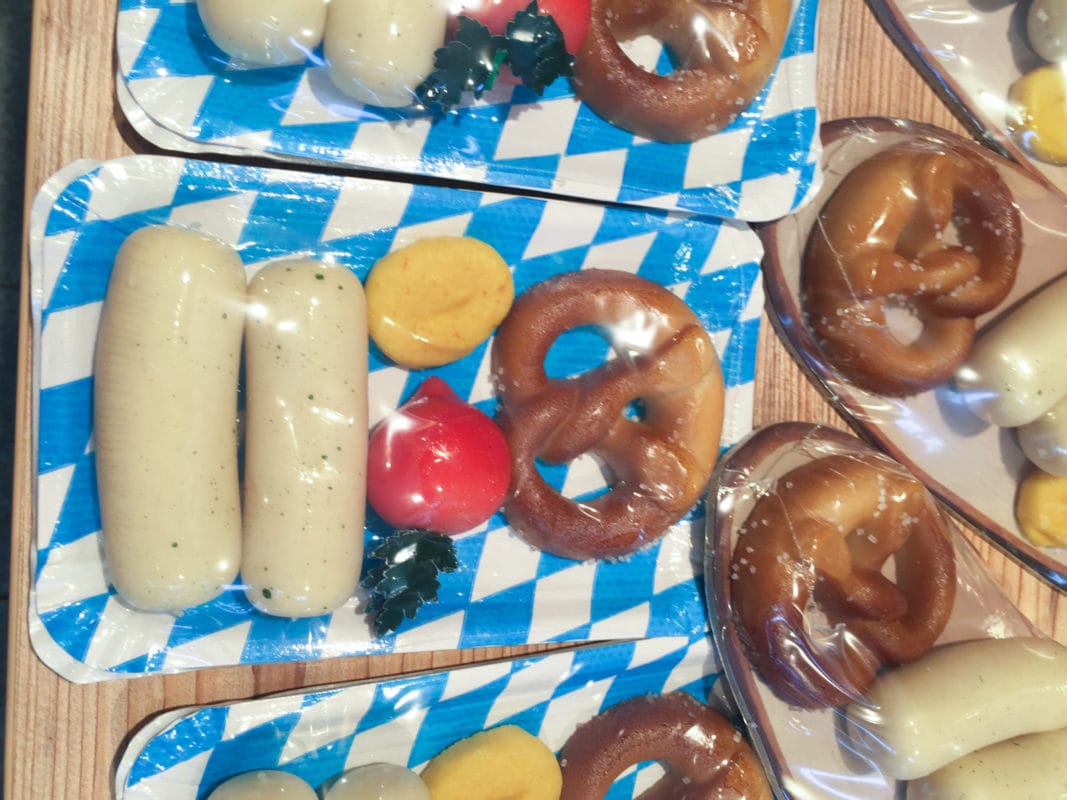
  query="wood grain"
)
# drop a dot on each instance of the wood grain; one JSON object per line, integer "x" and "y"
{"x": 62, "y": 739}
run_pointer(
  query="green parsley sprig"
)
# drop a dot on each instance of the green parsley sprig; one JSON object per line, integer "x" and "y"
{"x": 407, "y": 577}
{"x": 533, "y": 47}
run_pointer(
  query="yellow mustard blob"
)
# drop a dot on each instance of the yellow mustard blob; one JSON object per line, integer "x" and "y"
{"x": 1037, "y": 113}
{"x": 435, "y": 300}
{"x": 504, "y": 762}
{"x": 1041, "y": 509}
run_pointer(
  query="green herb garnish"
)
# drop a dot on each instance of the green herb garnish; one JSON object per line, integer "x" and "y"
{"x": 533, "y": 47}
{"x": 407, "y": 577}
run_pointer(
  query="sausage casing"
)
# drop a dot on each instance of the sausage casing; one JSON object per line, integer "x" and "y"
{"x": 378, "y": 51}
{"x": 306, "y": 438}
{"x": 267, "y": 33}
{"x": 1015, "y": 372}
{"x": 960, "y": 698}
{"x": 1027, "y": 767}
{"x": 165, "y": 418}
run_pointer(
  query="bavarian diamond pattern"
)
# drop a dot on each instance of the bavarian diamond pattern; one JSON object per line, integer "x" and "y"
{"x": 505, "y": 592}
{"x": 181, "y": 92}
{"x": 321, "y": 734}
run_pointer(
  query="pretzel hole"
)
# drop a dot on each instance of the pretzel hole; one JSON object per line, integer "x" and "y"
{"x": 642, "y": 775}
{"x": 635, "y": 410}
{"x": 586, "y": 347}
{"x": 584, "y": 478}
{"x": 920, "y": 236}
{"x": 664, "y": 43}
{"x": 577, "y": 351}
{"x": 951, "y": 234}
{"x": 903, "y": 323}
{"x": 650, "y": 54}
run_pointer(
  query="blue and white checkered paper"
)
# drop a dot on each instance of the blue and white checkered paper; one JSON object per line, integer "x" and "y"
{"x": 182, "y": 93}
{"x": 505, "y": 592}
{"x": 321, "y": 734}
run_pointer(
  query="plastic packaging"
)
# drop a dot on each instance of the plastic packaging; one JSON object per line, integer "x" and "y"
{"x": 977, "y": 57}
{"x": 503, "y": 591}
{"x": 185, "y": 94}
{"x": 973, "y": 465}
{"x": 651, "y": 416}
{"x": 319, "y": 734}
{"x": 852, "y": 745}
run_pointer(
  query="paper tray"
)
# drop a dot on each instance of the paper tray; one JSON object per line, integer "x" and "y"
{"x": 180, "y": 92}
{"x": 505, "y": 592}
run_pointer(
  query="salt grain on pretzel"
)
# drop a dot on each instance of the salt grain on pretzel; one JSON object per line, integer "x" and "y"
{"x": 930, "y": 231}
{"x": 658, "y": 462}
{"x": 818, "y": 543}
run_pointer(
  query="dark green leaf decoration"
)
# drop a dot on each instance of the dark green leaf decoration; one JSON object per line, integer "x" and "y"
{"x": 468, "y": 63}
{"x": 407, "y": 577}
{"x": 536, "y": 52}
{"x": 533, "y": 47}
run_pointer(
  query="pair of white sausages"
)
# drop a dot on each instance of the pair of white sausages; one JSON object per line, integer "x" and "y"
{"x": 932, "y": 721}
{"x": 376, "y": 51}
{"x": 168, "y": 354}
{"x": 1016, "y": 376}
{"x": 377, "y": 781}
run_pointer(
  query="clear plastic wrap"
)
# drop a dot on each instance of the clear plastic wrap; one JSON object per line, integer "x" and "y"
{"x": 185, "y": 94}
{"x": 1000, "y": 65}
{"x": 320, "y": 734}
{"x": 821, "y": 717}
{"x": 503, "y": 591}
{"x": 994, "y": 212}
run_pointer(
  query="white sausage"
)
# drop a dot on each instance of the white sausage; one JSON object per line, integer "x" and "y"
{"x": 266, "y": 33}
{"x": 165, "y": 418}
{"x": 1015, "y": 373}
{"x": 306, "y": 438}
{"x": 267, "y": 784}
{"x": 960, "y": 698}
{"x": 1046, "y": 29}
{"x": 1044, "y": 441}
{"x": 378, "y": 51}
{"x": 379, "y": 781}
{"x": 1029, "y": 767}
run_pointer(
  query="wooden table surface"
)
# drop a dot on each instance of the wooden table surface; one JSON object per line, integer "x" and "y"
{"x": 62, "y": 739}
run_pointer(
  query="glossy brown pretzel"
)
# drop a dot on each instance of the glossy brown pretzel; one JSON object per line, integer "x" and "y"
{"x": 818, "y": 542}
{"x": 724, "y": 52}
{"x": 883, "y": 240}
{"x": 705, "y": 756}
{"x": 658, "y": 462}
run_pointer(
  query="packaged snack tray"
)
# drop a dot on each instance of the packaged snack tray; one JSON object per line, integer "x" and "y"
{"x": 811, "y": 746}
{"x": 504, "y": 592}
{"x": 319, "y": 734}
{"x": 975, "y": 466}
{"x": 181, "y": 92}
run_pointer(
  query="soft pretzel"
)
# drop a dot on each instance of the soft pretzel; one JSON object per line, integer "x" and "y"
{"x": 658, "y": 463}
{"x": 724, "y": 52}
{"x": 822, "y": 537}
{"x": 884, "y": 239}
{"x": 704, "y": 754}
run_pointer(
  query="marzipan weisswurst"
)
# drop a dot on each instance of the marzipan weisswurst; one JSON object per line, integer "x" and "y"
{"x": 265, "y": 33}
{"x": 306, "y": 437}
{"x": 960, "y": 698}
{"x": 1015, "y": 372}
{"x": 1044, "y": 441}
{"x": 165, "y": 418}
{"x": 263, "y": 785}
{"x": 378, "y": 51}
{"x": 1028, "y": 767}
